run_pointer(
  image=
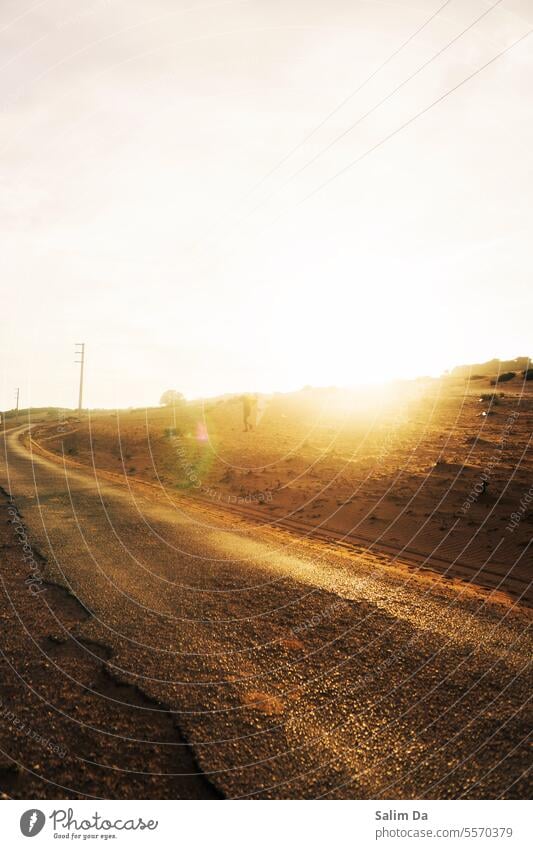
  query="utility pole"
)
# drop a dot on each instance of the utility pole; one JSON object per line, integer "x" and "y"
{"x": 81, "y": 361}
{"x": 17, "y": 390}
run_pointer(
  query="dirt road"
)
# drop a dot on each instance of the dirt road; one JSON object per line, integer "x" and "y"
{"x": 288, "y": 668}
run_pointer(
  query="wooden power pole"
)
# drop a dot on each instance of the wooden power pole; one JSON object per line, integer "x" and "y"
{"x": 80, "y": 350}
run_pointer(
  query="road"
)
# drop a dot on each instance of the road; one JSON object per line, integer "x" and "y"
{"x": 293, "y": 668}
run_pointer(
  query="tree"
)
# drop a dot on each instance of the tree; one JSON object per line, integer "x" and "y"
{"x": 171, "y": 397}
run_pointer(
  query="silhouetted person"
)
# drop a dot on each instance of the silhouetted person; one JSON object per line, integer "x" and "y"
{"x": 246, "y": 412}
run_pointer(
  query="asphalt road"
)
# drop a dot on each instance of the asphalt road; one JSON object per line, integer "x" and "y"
{"x": 294, "y": 670}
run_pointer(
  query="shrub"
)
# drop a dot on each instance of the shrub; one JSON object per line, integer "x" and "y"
{"x": 503, "y": 378}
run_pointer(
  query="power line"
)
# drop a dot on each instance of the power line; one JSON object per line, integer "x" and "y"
{"x": 368, "y": 113}
{"x": 339, "y": 106}
{"x": 347, "y": 99}
{"x": 408, "y": 122}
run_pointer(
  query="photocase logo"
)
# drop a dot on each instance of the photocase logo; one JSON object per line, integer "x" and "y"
{"x": 32, "y": 822}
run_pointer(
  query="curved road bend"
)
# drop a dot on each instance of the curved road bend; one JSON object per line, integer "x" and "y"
{"x": 294, "y": 669}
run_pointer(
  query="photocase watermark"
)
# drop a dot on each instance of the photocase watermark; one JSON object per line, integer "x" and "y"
{"x": 494, "y": 461}
{"x": 35, "y": 579}
{"x": 196, "y": 482}
{"x": 32, "y": 822}
{"x": 65, "y": 825}
{"x": 13, "y": 719}
{"x": 517, "y": 516}
{"x": 62, "y": 421}
{"x": 255, "y": 497}
{"x": 65, "y": 820}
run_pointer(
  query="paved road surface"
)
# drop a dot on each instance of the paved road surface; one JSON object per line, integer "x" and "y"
{"x": 294, "y": 669}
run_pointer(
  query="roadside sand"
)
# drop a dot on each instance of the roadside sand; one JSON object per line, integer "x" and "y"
{"x": 68, "y": 728}
{"x": 400, "y": 470}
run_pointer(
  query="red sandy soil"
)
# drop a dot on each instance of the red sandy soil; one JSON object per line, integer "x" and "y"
{"x": 397, "y": 468}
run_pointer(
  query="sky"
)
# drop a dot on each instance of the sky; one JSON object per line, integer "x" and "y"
{"x": 191, "y": 188}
